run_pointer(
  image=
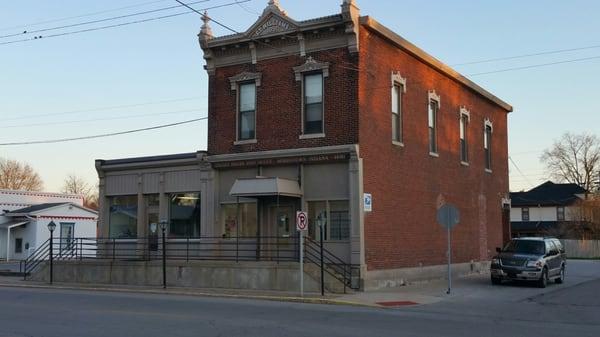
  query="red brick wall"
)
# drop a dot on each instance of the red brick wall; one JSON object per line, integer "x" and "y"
{"x": 407, "y": 183}
{"x": 279, "y": 115}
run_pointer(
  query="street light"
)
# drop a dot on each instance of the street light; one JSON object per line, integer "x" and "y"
{"x": 51, "y": 228}
{"x": 163, "y": 228}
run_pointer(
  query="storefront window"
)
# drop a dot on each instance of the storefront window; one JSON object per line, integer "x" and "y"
{"x": 184, "y": 212}
{"x": 123, "y": 215}
{"x": 247, "y": 218}
{"x": 335, "y": 218}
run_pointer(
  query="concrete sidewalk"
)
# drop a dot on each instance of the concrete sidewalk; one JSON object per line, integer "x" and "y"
{"x": 415, "y": 294}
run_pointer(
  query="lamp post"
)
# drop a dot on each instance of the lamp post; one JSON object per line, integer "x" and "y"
{"x": 321, "y": 224}
{"x": 51, "y": 228}
{"x": 163, "y": 228}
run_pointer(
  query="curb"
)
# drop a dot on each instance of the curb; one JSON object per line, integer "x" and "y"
{"x": 292, "y": 299}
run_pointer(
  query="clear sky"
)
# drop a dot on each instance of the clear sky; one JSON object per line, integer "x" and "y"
{"x": 153, "y": 72}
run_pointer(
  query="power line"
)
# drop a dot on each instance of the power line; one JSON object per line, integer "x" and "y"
{"x": 98, "y": 21}
{"x": 63, "y": 140}
{"x": 99, "y": 119}
{"x": 81, "y": 15}
{"x": 105, "y": 108}
{"x": 558, "y": 51}
{"x": 114, "y": 25}
{"x": 518, "y": 169}
{"x": 535, "y": 66}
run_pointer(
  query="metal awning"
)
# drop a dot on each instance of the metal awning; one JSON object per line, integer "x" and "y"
{"x": 13, "y": 224}
{"x": 263, "y": 187}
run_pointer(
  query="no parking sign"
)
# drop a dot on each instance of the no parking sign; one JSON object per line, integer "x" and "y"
{"x": 301, "y": 221}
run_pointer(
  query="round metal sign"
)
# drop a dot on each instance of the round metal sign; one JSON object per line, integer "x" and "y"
{"x": 448, "y": 216}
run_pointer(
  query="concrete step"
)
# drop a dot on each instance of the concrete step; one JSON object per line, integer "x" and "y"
{"x": 332, "y": 284}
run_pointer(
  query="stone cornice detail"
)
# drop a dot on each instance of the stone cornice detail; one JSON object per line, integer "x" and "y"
{"x": 311, "y": 65}
{"x": 243, "y": 77}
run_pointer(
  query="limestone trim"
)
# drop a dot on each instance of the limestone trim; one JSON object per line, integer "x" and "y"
{"x": 433, "y": 96}
{"x": 243, "y": 77}
{"x": 398, "y": 79}
{"x": 311, "y": 65}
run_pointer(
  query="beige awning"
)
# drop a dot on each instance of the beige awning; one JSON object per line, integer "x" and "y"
{"x": 262, "y": 187}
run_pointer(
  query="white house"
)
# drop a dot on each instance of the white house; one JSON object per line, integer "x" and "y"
{"x": 24, "y": 218}
{"x": 543, "y": 208}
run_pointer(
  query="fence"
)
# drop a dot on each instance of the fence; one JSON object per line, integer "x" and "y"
{"x": 585, "y": 249}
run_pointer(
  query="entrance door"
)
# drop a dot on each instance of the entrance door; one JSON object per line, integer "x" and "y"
{"x": 67, "y": 238}
{"x": 282, "y": 232}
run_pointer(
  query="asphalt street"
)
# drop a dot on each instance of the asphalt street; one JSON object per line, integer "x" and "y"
{"x": 475, "y": 308}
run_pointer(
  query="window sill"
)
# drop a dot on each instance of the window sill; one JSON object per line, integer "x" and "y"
{"x": 434, "y": 154}
{"x": 243, "y": 142}
{"x": 401, "y": 144}
{"x": 312, "y": 136}
{"x": 464, "y": 163}
{"x": 488, "y": 171}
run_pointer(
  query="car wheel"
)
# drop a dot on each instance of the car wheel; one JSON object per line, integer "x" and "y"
{"x": 496, "y": 280}
{"x": 543, "y": 281}
{"x": 561, "y": 277}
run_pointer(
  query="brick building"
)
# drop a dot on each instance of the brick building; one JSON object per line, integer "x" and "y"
{"x": 312, "y": 115}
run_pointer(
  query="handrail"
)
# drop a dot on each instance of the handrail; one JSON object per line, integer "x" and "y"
{"x": 265, "y": 248}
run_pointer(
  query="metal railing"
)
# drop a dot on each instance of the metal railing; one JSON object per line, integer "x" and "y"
{"x": 331, "y": 264}
{"x": 268, "y": 248}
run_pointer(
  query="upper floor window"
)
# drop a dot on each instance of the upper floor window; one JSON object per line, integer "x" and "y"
{"x": 312, "y": 74}
{"x": 560, "y": 213}
{"x": 247, "y": 111}
{"x": 525, "y": 213}
{"x": 313, "y": 103}
{"x": 245, "y": 84}
{"x": 434, "y": 107}
{"x": 487, "y": 145}
{"x": 398, "y": 87}
{"x": 464, "y": 143}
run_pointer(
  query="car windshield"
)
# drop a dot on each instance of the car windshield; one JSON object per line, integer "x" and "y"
{"x": 525, "y": 247}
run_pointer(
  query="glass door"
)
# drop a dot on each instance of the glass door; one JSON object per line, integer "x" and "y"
{"x": 67, "y": 238}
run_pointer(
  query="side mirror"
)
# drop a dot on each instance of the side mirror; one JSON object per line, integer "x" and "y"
{"x": 498, "y": 250}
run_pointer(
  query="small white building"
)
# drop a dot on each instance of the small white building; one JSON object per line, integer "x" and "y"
{"x": 24, "y": 218}
{"x": 544, "y": 208}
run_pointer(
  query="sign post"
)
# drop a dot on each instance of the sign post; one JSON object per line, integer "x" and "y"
{"x": 448, "y": 216}
{"x": 301, "y": 227}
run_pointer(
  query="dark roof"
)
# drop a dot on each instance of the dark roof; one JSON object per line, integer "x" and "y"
{"x": 36, "y": 208}
{"x": 547, "y": 194}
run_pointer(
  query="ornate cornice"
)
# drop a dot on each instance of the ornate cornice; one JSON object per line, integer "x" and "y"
{"x": 311, "y": 65}
{"x": 245, "y": 76}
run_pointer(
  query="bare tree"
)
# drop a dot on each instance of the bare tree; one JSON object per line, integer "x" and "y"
{"x": 574, "y": 159}
{"x": 74, "y": 184}
{"x": 19, "y": 176}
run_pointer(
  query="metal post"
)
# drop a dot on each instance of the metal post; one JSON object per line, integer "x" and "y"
{"x": 164, "y": 259}
{"x": 237, "y": 231}
{"x": 187, "y": 250}
{"x": 25, "y": 271}
{"x": 113, "y": 247}
{"x": 322, "y": 265}
{"x": 51, "y": 258}
{"x": 301, "y": 263}
{"x": 449, "y": 262}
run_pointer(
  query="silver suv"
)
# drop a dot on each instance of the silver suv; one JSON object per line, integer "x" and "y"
{"x": 530, "y": 259}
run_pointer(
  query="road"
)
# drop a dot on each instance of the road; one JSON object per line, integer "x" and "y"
{"x": 474, "y": 309}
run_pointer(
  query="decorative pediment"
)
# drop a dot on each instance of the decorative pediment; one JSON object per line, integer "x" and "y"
{"x": 311, "y": 65}
{"x": 271, "y": 24}
{"x": 243, "y": 77}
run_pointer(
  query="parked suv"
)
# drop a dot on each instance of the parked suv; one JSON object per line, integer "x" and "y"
{"x": 530, "y": 259}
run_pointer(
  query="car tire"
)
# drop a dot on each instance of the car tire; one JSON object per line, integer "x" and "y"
{"x": 496, "y": 280}
{"x": 543, "y": 281}
{"x": 561, "y": 278}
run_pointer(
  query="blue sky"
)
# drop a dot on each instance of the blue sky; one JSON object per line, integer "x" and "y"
{"x": 160, "y": 63}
